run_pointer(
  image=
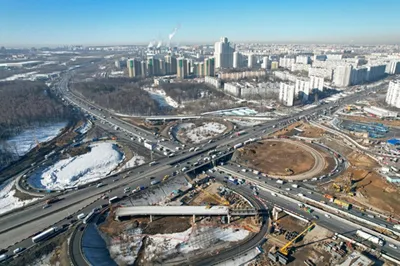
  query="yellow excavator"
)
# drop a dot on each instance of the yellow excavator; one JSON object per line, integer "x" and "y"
{"x": 290, "y": 171}
{"x": 285, "y": 249}
{"x": 337, "y": 187}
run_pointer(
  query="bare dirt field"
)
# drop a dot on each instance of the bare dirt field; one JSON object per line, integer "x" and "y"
{"x": 372, "y": 190}
{"x": 273, "y": 157}
{"x": 310, "y": 131}
{"x": 374, "y": 120}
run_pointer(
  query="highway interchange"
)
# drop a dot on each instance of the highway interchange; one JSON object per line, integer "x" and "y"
{"x": 17, "y": 227}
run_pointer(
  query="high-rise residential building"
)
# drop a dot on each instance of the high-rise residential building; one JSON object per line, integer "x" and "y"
{"x": 143, "y": 68}
{"x": 274, "y": 65}
{"x": 156, "y": 67}
{"x": 134, "y": 68}
{"x": 202, "y": 69}
{"x": 266, "y": 64}
{"x": 303, "y": 59}
{"x": 393, "y": 67}
{"x": 163, "y": 67}
{"x": 286, "y": 94}
{"x": 150, "y": 66}
{"x": 316, "y": 83}
{"x": 319, "y": 57}
{"x": 342, "y": 75}
{"x": 393, "y": 94}
{"x": 286, "y": 62}
{"x": 237, "y": 60}
{"x": 209, "y": 66}
{"x": 375, "y": 72}
{"x": 358, "y": 76}
{"x": 302, "y": 89}
{"x": 223, "y": 54}
{"x": 170, "y": 65}
{"x": 182, "y": 72}
{"x": 251, "y": 61}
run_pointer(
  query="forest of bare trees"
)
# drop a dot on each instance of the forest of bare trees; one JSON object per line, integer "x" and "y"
{"x": 121, "y": 95}
{"x": 190, "y": 91}
{"x": 24, "y": 103}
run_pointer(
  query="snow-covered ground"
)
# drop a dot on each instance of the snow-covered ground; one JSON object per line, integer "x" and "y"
{"x": 189, "y": 240}
{"x": 88, "y": 167}
{"x": 126, "y": 248}
{"x": 135, "y": 161}
{"x": 241, "y": 260}
{"x": 125, "y": 252}
{"x": 26, "y": 140}
{"x": 206, "y": 131}
{"x": 7, "y": 199}
{"x": 162, "y": 99}
{"x": 245, "y": 122}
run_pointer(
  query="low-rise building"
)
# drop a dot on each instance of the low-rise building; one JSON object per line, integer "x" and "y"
{"x": 380, "y": 112}
{"x": 215, "y": 82}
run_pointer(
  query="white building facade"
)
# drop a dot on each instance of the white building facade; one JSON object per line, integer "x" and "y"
{"x": 286, "y": 94}
{"x": 393, "y": 94}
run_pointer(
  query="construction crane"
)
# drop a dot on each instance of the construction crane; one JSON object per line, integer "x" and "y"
{"x": 285, "y": 249}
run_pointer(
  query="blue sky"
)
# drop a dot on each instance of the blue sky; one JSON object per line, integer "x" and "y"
{"x": 45, "y": 22}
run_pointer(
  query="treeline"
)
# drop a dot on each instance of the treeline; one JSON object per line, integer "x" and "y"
{"x": 25, "y": 103}
{"x": 190, "y": 91}
{"x": 120, "y": 94}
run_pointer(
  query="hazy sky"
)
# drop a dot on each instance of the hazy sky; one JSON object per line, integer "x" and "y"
{"x": 45, "y": 22}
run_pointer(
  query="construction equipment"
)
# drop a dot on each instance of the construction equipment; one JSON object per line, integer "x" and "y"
{"x": 285, "y": 249}
{"x": 337, "y": 187}
{"x": 220, "y": 200}
{"x": 289, "y": 170}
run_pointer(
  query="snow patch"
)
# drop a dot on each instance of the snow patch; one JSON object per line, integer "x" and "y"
{"x": 82, "y": 169}
{"x": 8, "y": 201}
{"x": 25, "y": 141}
{"x": 161, "y": 98}
{"x": 206, "y": 131}
{"x": 125, "y": 252}
{"x": 244, "y": 122}
{"x": 162, "y": 245}
{"x": 135, "y": 161}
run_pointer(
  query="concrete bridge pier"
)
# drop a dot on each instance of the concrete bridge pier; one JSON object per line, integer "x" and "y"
{"x": 151, "y": 218}
{"x": 194, "y": 219}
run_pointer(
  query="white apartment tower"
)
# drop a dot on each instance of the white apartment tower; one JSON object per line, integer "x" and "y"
{"x": 223, "y": 53}
{"x": 317, "y": 83}
{"x": 394, "y": 67}
{"x": 342, "y": 75}
{"x": 393, "y": 94}
{"x": 286, "y": 94}
{"x": 251, "y": 61}
{"x": 302, "y": 89}
{"x": 237, "y": 60}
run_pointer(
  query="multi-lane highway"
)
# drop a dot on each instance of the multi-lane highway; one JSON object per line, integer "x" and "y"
{"x": 23, "y": 223}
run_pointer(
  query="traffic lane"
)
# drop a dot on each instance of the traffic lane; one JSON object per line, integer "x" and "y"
{"x": 37, "y": 212}
{"x": 27, "y": 230}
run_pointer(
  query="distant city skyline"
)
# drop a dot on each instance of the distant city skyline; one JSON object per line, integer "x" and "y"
{"x": 74, "y": 22}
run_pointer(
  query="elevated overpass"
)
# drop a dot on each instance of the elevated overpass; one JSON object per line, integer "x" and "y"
{"x": 151, "y": 211}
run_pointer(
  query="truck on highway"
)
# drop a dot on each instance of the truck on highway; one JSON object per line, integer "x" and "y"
{"x": 256, "y": 172}
{"x": 240, "y": 133}
{"x": 370, "y": 238}
{"x": 342, "y": 204}
{"x": 89, "y": 217}
{"x": 152, "y": 163}
{"x": 396, "y": 226}
{"x": 295, "y": 186}
{"x": 237, "y": 146}
{"x": 3, "y": 257}
{"x": 45, "y": 234}
{"x": 52, "y": 200}
{"x": 113, "y": 199}
{"x": 279, "y": 181}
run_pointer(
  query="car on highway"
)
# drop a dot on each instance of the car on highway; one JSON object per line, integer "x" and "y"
{"x": 393, "y": 246}
{"x": 115, "y": 180}
{"x": 152, "y": 177}
{"x": 316, "y": 217}
{"x": 154, "y": 182}
{"x": 327, "y": 216}
{"x": 46, "y": 206}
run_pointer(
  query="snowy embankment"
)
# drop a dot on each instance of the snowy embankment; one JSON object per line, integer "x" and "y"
{"x": 82, "y": 169}
{"x": 126, "y": 248}
{"x": 161, "y": 98}
{"x": 7, "y": 199}
{"x": 136, "y": 160}
{"x": 26, "y": 141}
{"x": 206, "y": 131}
